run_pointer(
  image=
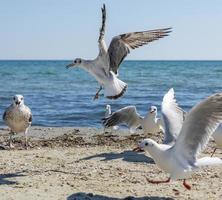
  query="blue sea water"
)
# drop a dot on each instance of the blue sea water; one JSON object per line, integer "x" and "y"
{"x": 61, "y": 97}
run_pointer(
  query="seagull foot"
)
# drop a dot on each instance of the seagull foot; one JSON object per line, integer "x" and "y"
{"x": 186, "y": 185}
{"x": 96, "y": 96}
{"x": 158, "y": 182}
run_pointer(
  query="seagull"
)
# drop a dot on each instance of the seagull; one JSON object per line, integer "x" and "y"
{"x": 150, "y": 123}
{"x": 108, "y": 113}
{"x": 172, "y": 117}
{"x": 129, "y": 115}
{"x": 104, "y": 68}
{"x": 18, "y": 117}
{"x": 108, "y": 110}
{"x": 181, "y": 159}
{"x": 217, "y": 135}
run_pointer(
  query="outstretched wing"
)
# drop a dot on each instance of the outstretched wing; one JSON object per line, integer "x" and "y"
{"x": 173, "y": 117}
{"x": 199, "y": 125}
{"x": 102, "y": 29}
{"x": 120, "y": 45}
{"x": 127, "y": 115}
{"x": 102, "y": 44}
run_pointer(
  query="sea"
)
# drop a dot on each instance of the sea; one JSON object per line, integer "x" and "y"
{"x": 64, "y": 97}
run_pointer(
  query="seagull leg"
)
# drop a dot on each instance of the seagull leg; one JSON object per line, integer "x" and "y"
{"x": 213, "y": 152}
{"x": 11, "y": 146}
{"x": 186, "y": 185}
{"x": 97, "y": 93}
{"x": 26, "y": 139}
{"x": 158, "y": 182}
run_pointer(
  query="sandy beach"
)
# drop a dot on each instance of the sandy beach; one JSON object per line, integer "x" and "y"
{"x": 86, "y": 163}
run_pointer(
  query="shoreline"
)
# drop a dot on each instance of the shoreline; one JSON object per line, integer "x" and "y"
{"x": 85, "y": 163}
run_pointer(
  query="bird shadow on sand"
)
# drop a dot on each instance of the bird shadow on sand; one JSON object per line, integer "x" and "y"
{"x": 129, "y": 156}
{"x": 4, "y": 177}
{"x": 90, "y": 196}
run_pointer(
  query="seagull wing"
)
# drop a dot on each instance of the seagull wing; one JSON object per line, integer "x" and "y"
{"x": 173, "y": 117}
{"x": 120, "y": 45}
{"x": 102, "y": 44}
{"x": 127, "y": 115}
{"x": 199, "y": 125}
{"x": 102, "y": 29}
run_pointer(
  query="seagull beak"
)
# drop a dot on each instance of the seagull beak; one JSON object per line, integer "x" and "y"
{"x": 138, "y": 149}
{"x": 17, "y": 103}
{"x": 69, "y": 65}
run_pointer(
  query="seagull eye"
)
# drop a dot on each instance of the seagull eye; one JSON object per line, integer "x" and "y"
{"x": 146, "y": 144}
{"x": 22, "y": 98}
{"x": 14, "y": 98}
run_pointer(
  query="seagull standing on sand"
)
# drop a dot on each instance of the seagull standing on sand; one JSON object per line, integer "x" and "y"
{"x": 129, "y": 115}
{"x": 104, "y": 68}
{"x": 18, "y": 117}
{"x": 217, "y": 135}
{"x": 180, "y": 159}
{"x": 150, "y": 123}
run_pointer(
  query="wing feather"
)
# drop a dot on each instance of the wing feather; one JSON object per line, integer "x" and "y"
{"x": 199, "y": 125}
{"x": 127, "y": 115}
{"x": 102, "y": 29}
{"x": 173, "y": 117}
{"x": 120, "y": 45}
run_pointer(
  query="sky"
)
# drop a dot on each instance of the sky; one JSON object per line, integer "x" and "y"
{"x": 68, "y": 29}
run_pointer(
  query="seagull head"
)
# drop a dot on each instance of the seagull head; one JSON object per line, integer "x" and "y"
{"x": 108, "y": 107}
{"x": 77, "y": 62}
{"x": 18, "y": 100}
{"x": 145, "y": 145}
{"x": 153, "y": 110}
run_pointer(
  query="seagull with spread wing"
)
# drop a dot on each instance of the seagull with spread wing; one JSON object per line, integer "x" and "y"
{"x": 180, "y": 159}
{"x": 170, "y": 110}
{"x": 105, "y": 67}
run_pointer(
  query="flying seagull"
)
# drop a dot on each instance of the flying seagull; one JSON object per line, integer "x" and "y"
{"x": 104, "y": 68}
{"x": 181, "y": 159}
{"x": 18, "y": 117}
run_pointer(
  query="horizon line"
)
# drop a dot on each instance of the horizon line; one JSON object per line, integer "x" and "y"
{"x": 39, "y": 59}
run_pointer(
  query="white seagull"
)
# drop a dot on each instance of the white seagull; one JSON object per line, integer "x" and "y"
{"x": 150, "y": 123}
{"x": 104, "y": 68}
{"x": 129, "y": 116}
{"x": 217, "y": 135}
{"x": 18, "y": 117}
{"x": 108, "y": 113}
{"x": 181, "y": 159}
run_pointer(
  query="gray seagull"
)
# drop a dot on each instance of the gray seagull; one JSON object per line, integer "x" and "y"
{"x": 104, "y": 68}
{"x": 18, "y": 117}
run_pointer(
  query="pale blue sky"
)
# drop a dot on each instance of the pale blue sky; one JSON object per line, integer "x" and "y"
{"x": 66, "y": 29}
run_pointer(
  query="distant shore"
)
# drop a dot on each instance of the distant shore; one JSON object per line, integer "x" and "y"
{"x": 88, "y": 163}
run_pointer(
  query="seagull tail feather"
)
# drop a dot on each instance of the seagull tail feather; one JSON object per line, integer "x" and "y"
{"x": 115, "y": 88}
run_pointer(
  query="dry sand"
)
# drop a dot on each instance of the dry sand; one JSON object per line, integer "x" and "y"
{"x": 85, "y": 163}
